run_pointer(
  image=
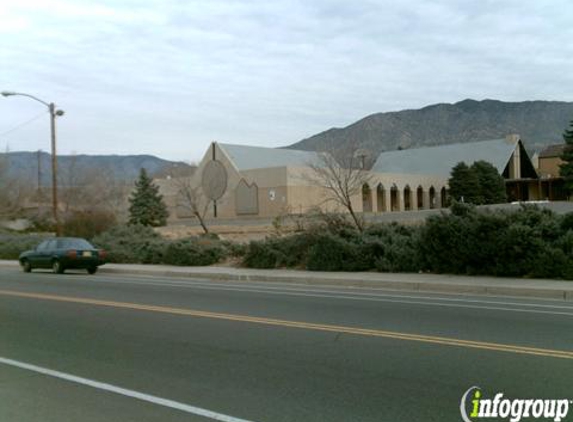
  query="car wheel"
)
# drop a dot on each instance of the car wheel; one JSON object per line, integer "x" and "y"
{"x": 92, "y": 270}
{"x": 57, "y": 267}
{"x": 26, "y": 266}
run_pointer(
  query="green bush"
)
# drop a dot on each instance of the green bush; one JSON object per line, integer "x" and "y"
{"x": 567, "y": 222}
{"x": 12, "y": 245}
{"x": 392, "y": 247}
{"x": 132, "y": 244}
{"x": 333, "y": 253}
{"x": 260, "y": 254}
{"x": 237, "y": 250}
{"x": 530, "y": 242}
{"x": 193, "y": 251}
{"x": 87, "y": 224}
{"x": 142, "y": 245}
{"x": 445, "y": 243}
{"x": 276, "y": 252}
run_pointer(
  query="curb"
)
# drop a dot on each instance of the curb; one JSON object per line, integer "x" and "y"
{"x": 302, "y": 279}
{"x": 413, "y": 286}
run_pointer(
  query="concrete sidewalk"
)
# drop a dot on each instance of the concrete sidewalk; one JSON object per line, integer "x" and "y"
{"x": 437, "y": 283}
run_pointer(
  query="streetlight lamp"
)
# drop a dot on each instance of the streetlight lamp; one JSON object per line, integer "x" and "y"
{"x": 53, "y": 114}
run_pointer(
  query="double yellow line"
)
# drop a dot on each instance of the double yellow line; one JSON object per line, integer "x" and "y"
{"x": 562, "y": 354}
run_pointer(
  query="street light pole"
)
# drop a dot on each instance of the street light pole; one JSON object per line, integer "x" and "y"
{"x": 55, "y": 212}
{"x": 53, "y": 114}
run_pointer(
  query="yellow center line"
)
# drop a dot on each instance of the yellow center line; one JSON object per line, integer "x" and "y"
{"x": 563, "y": 354}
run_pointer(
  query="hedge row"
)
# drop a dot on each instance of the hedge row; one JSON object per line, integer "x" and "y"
{"x": 527, "y": 243}
{"x": 142, "y": 245}
{"x": 389, "y": 247}
{"x": 12, "y": 244}
{"x": 135, "y": 244}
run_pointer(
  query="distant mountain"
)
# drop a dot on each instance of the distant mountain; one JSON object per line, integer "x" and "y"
{"x": 24, "y": 166}
{"x": 539, "y": 123}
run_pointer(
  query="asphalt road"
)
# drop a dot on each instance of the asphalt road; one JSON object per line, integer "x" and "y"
{"x": 149, "y": 349}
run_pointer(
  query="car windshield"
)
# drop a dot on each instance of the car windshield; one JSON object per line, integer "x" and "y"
{"x": 74, "y": 244}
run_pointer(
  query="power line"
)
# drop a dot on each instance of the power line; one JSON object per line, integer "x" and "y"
{"x": 18, "y": 126}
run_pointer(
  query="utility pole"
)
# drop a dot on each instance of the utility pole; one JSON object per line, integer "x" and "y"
{"x": 39, "y": 158}
{"x": 53, "y": 114}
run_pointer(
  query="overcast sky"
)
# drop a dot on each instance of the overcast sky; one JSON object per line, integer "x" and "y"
{"x": 166, "y": 77}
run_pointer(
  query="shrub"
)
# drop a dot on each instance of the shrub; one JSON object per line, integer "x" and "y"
{"x": 132, "y": 244}
{"x": 519, "y": 249}
{"x": 337, "y": 224}
{"x": 193, "y": 251}
{"x": 88, "y": 224}
{"x": 260, "y": 254}
{"x": 289, "y": 251}
{"x": 399, "y": 256}
{"x": 293, "y": 250}
{"x": 12, "y": 245}
{"x": 529, "y": 242}
{"x": 333, "y": 253}
{"x": 445, "y": 244}
{"x": 233, "y": 249}
{"x": 391, "y": 247}
{"x": 567, "y": 222}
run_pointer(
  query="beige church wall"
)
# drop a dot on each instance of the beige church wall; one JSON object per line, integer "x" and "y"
{"x": 270, "y": 185}
{"x": 272, "y": 189}
{"x": 549, "y": 167}
{"x": 534, "y": 192}
{"x": 225, "y": 204}
{"x": 305, "y": 194}
{"x": 294, "y": 190}
{"x": 400, "y": 182}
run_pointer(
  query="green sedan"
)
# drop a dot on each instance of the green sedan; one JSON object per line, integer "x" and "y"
{"x": 63, "y": 253}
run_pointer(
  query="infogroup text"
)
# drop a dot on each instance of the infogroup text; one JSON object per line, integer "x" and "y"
{"x": 474, "y": 406}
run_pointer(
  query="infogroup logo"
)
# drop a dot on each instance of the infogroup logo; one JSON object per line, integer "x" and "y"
{"x": 514, "y": 409}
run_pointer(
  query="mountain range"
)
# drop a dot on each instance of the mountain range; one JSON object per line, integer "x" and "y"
{"x": 24, "y": 166}
{"x": 539, "y": 123}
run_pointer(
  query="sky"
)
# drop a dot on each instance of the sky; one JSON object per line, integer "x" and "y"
{"x": 167, "y": 77}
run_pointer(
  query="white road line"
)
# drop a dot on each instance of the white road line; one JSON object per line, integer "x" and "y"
{"x": 123, "y": 391}
{"x": 261, "y": 287}
{"x": 498, "y": 305}
{"x": 420, "y": 300}
{"x": 350, "y": 293}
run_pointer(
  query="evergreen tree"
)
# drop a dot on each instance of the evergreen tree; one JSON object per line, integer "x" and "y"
{"x": 492, "y": 184}
{"x": 566, "y": 169}
{"x": 146, "y": 204}
{"x": 464, "y": 184}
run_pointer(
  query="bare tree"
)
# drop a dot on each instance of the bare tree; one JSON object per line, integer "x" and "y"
{"x": 71, "y": 180}
{"x": 87, "y": 188}
{"x": 104, "y": 190}
{"x": 342, "y": 174}
{"x": 13, "y": 192}
{"x": 192, "y": 199}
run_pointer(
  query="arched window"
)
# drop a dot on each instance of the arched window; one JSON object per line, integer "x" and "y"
{"x": 394, "y": 198}
{"x": 444, "y": 197}
{"x": 407, "y": 198}
{"x": 381, "y": 198}
{"x": 420, "y": 197}
{"x": 246, "y": 198}
{"x": 432, "y": 193}
{"x": 366, "y": 198}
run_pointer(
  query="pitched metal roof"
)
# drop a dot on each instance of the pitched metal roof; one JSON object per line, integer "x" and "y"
{"x": 248, "y": 157}
{"x": 440, "y": 160}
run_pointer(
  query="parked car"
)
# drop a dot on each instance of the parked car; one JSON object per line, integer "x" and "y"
{"x": 63, "y": 253}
